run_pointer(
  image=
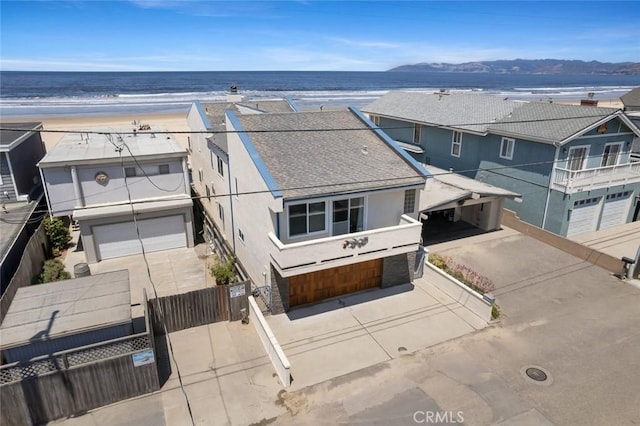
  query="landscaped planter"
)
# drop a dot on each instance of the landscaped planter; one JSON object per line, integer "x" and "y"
{"x": 480, "y": 305}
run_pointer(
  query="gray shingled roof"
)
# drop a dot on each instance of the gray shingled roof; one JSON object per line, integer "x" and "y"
{"x": 216, "y": 111}
{"x": 325, "y": 162}
{"x": 631, "y": 99}
{"x": 539, "y": 121}
{"x": 548, "y": 122}
{"x": 8, "y": 136}
{"x": 458, "y": 110}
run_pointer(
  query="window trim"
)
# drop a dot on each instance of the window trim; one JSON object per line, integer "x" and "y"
{"x": 412, "y": 202}
{"x": 508, "y": 141}
{"x": 456, "y": 141}
{"x": 220, "y": 165}
{"x": 417, "y": 133}
{"x": 307, "y": 233}
{"x": 584, "y": 160}
{"x": 618, "y": 155}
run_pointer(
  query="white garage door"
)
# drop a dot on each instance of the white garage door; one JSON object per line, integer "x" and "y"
{"x": 616, "y": 209}
{"x": 121, "y": 239}
{"x": 584, "y": 217}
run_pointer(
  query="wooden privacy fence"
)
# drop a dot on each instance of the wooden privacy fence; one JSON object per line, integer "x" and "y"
{"x": 80, "y": 379}
{"x": 200, "y": 307}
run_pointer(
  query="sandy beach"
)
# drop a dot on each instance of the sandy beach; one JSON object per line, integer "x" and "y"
{"x": 176, "y": 122}
{"x": 171, "y": 122}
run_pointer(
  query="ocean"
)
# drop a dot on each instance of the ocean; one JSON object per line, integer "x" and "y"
{"x": 51, "y": 94}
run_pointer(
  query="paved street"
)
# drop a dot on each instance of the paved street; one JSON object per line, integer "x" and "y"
{"x": 573, "y": 320}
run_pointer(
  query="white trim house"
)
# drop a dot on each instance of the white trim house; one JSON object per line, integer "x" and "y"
{"x": 128, "y": 191}
{"x": 324, "y": 205}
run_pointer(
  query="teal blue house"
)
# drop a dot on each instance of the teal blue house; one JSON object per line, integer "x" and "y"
{"x": 570, "y": 163}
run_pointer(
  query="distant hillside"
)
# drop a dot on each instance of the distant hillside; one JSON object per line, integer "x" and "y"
{"x": 528, "y": 66}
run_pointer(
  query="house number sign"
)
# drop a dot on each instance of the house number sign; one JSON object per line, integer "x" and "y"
{"x": 355, "y": 242}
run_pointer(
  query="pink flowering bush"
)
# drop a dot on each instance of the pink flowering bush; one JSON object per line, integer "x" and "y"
{"x": 462, "y": 273}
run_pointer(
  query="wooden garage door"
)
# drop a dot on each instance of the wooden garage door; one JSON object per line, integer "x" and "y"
{"x": 320, "y": 285}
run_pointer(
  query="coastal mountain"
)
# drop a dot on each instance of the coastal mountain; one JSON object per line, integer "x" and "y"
{"x": 527, "y": 66}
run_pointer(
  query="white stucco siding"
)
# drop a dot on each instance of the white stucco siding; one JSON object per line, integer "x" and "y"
{"x": 60, "y": 191}
{"x": 385, "y": 208}
{"x": 204, "y": 172}
{"x": 253, "y": 213}
{"x": 139, "y": 186}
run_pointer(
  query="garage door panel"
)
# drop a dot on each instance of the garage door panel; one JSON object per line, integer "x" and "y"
{"x": 121, "y": 239}
{"x": 615, "y": 210}
{"x": 584, "y": 216}
{"x": 320, "y": 285}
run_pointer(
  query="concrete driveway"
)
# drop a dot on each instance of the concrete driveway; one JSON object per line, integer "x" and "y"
{"x": 172, "y": 271}
{"x": 330, "y": 339}
{"x": 573, "y": 320}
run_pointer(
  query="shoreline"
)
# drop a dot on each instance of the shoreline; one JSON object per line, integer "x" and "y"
{"x": 169, "y": 121}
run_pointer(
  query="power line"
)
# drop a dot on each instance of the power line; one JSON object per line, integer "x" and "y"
{"x": 338, "y": 129}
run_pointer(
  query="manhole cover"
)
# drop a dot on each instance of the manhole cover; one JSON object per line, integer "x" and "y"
{"x": 402, "y": 349}
{"x": 536, "y": 374}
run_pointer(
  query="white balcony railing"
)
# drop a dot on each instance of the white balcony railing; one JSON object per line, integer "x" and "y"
{"x": 314, "y": 255}
{"x": 570, "y": 181}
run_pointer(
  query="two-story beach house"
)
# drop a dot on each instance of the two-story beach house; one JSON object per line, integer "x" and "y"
{"x": 128, "y": 191}
{"x": 209, "y": 157}
{"x": 322, "y": 204}
{"x": 569, "y": 163}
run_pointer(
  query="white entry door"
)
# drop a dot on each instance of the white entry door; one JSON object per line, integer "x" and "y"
{"x": 584, "y": 216}
{"x": 121, "y": 239}
{"x": 616, "y": 209}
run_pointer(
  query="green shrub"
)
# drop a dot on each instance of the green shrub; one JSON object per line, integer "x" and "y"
{"x": 439, "y": 261}
{"x": 495, "y": 311}
{"x": 58, "y": 234}
{"x": 224, "y": 272}
{"x": 52, "y": 271}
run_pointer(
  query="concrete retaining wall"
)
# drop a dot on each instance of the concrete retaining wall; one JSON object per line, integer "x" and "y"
{"x": 271, "y": 345}
{"x": 605, "y": 261}
{"x": 467, "y": 297}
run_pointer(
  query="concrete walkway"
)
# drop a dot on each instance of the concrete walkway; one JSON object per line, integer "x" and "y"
{"x": 226, "y": 376}
{"x": 340, "y": 336}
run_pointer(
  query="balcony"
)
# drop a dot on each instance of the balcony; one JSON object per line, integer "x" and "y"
{"x": 314, "y": 255}
{"x": 571, "y": 181}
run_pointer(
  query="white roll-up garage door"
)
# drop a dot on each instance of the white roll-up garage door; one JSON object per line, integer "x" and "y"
{"x": 616, "y": 209}
{"x": 121, "y": 239}
{"x": 584, "y": 216}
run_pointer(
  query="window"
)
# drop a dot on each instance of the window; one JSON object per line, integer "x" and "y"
{"x": 220, "y": 166}
{"x": 206, "y": 188}
{"x": 200, "y": 174}
{"x": 163, "y": 169}
{"x": 611, "y": 154}
{"x": 456, "y": 144}
{"x": 307, "y": 218}
{"x": 189, "y": 142}
{"x": 241, "y": 235}
{"x": 506, "y": 148}
{"x": 416, "y": 133}
{"x": 213, "y": 189}
{"x": 221, "y": 213}
{"x": 577, "y": 157}
{"x": 409, "y": 200}
{"x": 237, "y": 191}
{"x": 130, "y": 171}
{"x": 348, "y": 215}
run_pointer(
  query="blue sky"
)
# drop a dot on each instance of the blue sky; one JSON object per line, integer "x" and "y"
{"x": 166, "y": 35}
